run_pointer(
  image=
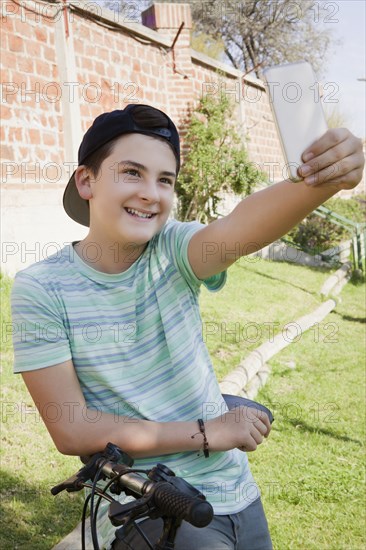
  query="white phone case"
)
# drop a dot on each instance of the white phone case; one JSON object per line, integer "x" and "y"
{"x": 297, "y": 109}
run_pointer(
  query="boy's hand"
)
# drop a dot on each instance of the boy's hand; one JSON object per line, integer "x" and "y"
{"x": 336, "y": 159}
{"x": 242, "y": 427}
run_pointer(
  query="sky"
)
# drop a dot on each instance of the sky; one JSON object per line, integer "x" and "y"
{"x": 348, "y": 63}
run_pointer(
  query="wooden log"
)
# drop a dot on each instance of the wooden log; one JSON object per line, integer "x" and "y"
{"x": 337, "y": 289}
{"x": 251, "y": 373}
{"x": 334, "y": 279}
{"x": 238, "y": 379}
{"x": 258, "y": 382}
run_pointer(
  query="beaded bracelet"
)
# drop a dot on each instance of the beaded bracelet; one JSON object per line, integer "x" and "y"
{"x": 203, "y": 433}
{"x": 205, "y": 442}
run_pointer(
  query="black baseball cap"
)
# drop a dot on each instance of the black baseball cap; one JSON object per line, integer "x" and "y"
{"x": 105, "y": 128}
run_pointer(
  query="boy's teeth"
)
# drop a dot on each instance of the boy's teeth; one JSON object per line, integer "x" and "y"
{"x": 137, "y": 213}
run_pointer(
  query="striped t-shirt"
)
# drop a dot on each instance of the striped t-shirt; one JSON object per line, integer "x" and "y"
{"x": 135, "y": 339}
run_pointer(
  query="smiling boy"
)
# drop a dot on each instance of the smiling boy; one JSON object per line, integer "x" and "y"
{"x": 132, "y": 200}
{"x": 123, "y": 349}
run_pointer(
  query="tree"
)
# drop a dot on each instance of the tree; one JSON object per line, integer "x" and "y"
{"x": 216, "y": 161}
{"x": 204, "y": 43}
{"x": 258, "y": 33}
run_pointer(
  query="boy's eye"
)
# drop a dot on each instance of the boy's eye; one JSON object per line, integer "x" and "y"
{"x": 131, "y": 172}
{"x": 167, "y": 180}
{"x": 134, "y": 173}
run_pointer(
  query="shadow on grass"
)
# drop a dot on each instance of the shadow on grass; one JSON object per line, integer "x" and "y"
{"x": 303, "y": 426}
{"x": 265, "y": 275}
{"x": 350, "y": 318}
{"x": 31, "y": 517}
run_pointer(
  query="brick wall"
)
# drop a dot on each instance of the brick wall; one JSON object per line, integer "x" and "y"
{"x": 63, "y": 67}
{"x": 32, "y": 122}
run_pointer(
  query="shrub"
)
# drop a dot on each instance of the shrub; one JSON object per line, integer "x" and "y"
{"x": 216, "y": 161}
{"x": 316, "y": 234}
{"x": 354, "y": 209}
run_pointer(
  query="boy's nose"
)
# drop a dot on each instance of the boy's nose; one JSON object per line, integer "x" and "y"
{"x": 149, "y": 192}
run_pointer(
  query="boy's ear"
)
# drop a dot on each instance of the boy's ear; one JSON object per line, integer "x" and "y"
{"x": 83, "y": 182}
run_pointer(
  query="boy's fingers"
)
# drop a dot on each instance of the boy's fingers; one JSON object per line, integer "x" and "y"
{"x": 263, "y": 424}
{"x": 257, "y": 436}
{"x": 330, "y": 139}
{"x": 333, "y": 156}
{"x": 343, "y": 171}
{"x": 340, "y": 162}
{"x": 258, "y": 414}
{"x": 344, "y": 182}
{"x": 266, "y": 431}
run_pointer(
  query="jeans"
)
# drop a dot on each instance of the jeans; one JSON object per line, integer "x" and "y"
{"x": 246, "y": 530}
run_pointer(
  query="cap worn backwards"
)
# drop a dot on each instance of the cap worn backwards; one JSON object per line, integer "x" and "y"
{"x": 106, "y": 127}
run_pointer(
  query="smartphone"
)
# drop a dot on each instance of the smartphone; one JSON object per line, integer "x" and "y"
{"x": 294, "y": 96}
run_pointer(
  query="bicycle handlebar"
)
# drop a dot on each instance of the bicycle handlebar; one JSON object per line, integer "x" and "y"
{"x": 162, "y": 492}
{"x": 163, "y": 495}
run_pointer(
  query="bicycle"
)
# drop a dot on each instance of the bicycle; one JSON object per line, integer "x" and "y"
{"x": 160, "y": 494}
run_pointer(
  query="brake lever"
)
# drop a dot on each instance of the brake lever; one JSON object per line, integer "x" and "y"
{"x": 76, "y": 481}
{"x": 87, "y": 472}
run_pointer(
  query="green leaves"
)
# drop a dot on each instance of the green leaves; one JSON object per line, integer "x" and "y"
{"x": 216, "y": 161}
{"x": 316, "y": 234}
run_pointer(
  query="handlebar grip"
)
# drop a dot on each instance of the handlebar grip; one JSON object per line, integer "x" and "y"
{"x": 174, "y": 503}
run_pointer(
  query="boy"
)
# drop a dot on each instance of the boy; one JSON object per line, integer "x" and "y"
{"x": 113, "y": 332}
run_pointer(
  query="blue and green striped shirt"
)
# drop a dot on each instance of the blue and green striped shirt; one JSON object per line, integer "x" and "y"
{"x": 135, "y": 339}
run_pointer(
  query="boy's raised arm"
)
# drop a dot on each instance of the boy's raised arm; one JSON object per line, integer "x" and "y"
{"x": 334, "y": 162}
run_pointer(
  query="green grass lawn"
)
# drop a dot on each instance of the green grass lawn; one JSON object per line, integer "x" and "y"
{"x": 311, "y": 468}
{"x": 31, "y": 518}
